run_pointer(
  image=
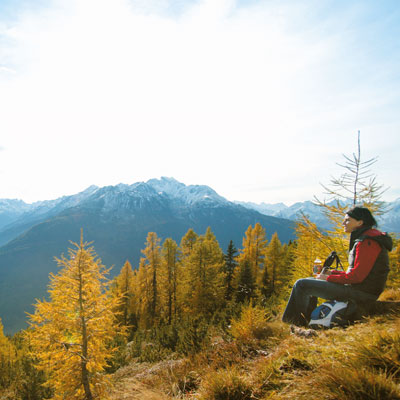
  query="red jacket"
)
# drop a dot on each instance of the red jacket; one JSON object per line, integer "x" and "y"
{"x": 368, "y": 261}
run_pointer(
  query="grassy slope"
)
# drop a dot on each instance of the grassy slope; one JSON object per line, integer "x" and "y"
{"x": 360, "y": 362}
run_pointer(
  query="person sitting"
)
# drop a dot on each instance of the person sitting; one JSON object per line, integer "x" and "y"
{"x": 364, "y": 279}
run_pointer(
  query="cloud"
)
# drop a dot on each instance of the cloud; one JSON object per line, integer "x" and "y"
{"x": 7, "y": 70}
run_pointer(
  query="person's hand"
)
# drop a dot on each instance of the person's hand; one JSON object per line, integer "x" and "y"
{"x": 322, "y": 277}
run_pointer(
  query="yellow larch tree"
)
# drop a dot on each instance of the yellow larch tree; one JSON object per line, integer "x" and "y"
{"x": 186, "y": 249}
{"x": 141, "y": 290}
{"x": 253, "y": 250}
{"x": 187, "y": 243}
{"x": 170, "y": 280}
{"x": 4, "y": 343}
{"x": 152, "y": 262}
{"x": 124, "y": 288}
{"x": 7, "y": 358}
{"x": 205, "y": 285}
{"x": 72, "y": 333}
{"x": 274, "y": 262}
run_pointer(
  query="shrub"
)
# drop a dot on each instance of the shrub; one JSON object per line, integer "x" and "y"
{"x": 252, "y": 324}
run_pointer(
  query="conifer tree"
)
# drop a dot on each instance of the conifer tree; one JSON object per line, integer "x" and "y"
{"x": 142, "y": 295}
{"x": 4, "y": 342}
{"x": 246, "y": 282}
{"x": 254, "y": 245}
{"x": 124, "y": 287}
{"x": 288, "y": 267}
{"x": 170, "y": 281}
{"x": 229, "y": 269}
{"x": 187, "y": 243}
{"x": 71, "y": 334}
{"x": 152, "y": 261}
{"x": 7, "y": 359}
{"x": 264, "y": 289}
{"x": 205, "y": 276}
{"x": 269, "y": 273}
{"x": 274, "y": 263}
{"x": 186, "y": 249}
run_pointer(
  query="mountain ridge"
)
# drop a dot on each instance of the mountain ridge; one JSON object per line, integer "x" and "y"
{"x": 389, "y": 222}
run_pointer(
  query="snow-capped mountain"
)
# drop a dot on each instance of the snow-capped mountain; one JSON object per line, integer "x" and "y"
{"x": 16, "y": 212}
{"x": 189, "y": 195}
{"x": 390, "y": 221}
{"x": 21, "y": 210}
{"x": 17, "y": 216}
{"x": 10, "y": 210}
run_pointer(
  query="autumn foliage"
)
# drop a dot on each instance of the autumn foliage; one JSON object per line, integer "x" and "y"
{"x": 72, "y": 333}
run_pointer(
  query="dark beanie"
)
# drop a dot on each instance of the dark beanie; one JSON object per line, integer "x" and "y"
{"x": 362, "y": 213}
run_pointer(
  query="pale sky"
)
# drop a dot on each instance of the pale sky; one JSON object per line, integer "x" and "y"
{"x": 257, "y": 99}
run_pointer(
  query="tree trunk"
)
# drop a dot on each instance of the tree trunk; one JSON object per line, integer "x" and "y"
{"x": 84, "y": 371}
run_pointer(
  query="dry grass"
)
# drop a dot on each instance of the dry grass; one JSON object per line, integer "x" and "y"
{"x": 134, "y": 390}
{"x": 265, "y": 361}
{"x": 333, "y": 382}
{"x": 130, "y": 384}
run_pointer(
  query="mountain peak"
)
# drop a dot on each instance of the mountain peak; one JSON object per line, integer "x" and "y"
{"x": 189, "y": 194}
{"x": 169, "y": 186}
